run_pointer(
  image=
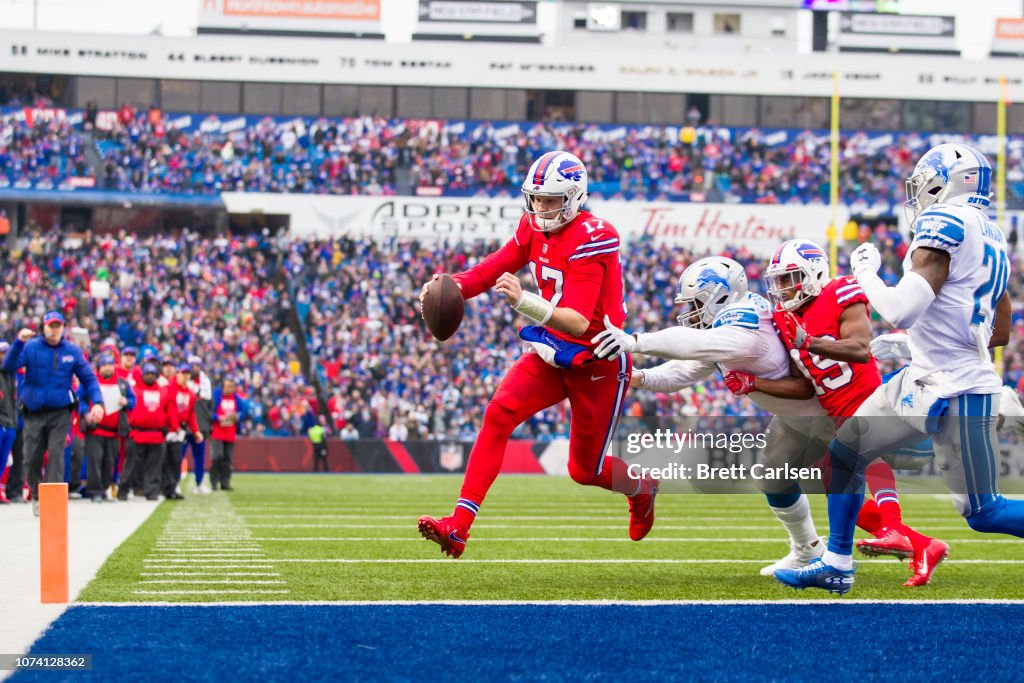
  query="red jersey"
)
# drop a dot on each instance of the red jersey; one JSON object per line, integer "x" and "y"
{"x": 185, "y": 404}
{"x": 576, "y": 267}
{"x": 155, "y": 414}
{"x": 840, "y": 386}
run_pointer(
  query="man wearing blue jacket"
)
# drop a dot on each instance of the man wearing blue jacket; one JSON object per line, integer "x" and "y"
{"x": 48, "y": 398}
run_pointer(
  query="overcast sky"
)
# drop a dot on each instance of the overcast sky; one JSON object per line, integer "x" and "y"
{"x": 975, "y": 18}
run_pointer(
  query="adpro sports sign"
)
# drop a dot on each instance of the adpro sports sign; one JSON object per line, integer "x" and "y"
{"x": 696, "y": 226}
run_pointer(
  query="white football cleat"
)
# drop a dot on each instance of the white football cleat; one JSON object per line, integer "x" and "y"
{"x": 203, "y": 489}
{"x": 799, "y": 556}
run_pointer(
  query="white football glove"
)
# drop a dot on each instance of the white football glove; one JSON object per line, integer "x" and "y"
{"x": 612, "y": 341}
{"x": 865, "y": 258}
{"x": 895, "y": 346}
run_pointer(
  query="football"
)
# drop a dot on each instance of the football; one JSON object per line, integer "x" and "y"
{"x": 443, "y": 307}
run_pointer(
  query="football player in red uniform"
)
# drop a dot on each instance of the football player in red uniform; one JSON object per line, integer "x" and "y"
{"x": 826, "y": 326}
{"x": 574, "y": 258}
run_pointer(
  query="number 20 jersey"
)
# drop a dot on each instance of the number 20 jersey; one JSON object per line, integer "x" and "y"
{"x": 841, "y": 387}
{"x": 949, "y": 341}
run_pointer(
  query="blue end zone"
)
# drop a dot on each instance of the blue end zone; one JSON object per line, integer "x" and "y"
{"x": 526, "y": 642}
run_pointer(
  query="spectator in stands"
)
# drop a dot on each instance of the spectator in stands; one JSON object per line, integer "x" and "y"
{"x": 50, "y": 363}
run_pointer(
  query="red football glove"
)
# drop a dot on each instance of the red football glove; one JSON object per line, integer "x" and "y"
{"x": 740, "y": 383}
{"x": 792, "y": 331}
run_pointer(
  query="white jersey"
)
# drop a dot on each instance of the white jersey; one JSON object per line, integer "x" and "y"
{"x": 741, "y": 338}
{"x": 949, "y": 342}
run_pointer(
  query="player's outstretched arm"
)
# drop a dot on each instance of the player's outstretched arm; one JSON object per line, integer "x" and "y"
{"x": 726, "y": 344}
{"x": 672, "y": 376}
{"x": 539, "y": 309}
{"x": 903, "y": 304}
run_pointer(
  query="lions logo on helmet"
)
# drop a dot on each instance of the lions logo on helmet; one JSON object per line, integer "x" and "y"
{"x": 951, "y": 173}
{"x": 555, "y": 174}
{"x": 706, "y": 287}
{"x": 797, "y": 272}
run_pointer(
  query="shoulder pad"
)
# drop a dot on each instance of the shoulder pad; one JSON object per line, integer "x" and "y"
{"x": 939, "y": 228}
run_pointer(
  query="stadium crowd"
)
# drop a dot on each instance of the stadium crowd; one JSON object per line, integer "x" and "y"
{"x": 173, "y": 297}
{"x": 144, "y": 151}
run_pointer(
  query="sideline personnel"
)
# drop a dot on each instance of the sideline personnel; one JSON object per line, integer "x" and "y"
{"x": 48, "y": 398}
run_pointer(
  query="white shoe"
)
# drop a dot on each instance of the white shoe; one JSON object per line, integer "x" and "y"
{"x": 177, "y": 489}
{"x": 799, "y": 556}
{"x": 203, "y": 489}
{"x": 35, "y": 507}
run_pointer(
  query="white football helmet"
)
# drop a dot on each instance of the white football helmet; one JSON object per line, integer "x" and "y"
{"x": 952, "y": 173}
{"x": 796, "y": 273}
{"x": 556, "y": 174}
{"x": 708, "y": 286}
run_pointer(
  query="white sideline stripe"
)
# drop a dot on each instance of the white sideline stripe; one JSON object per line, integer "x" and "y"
{"x": 582, "y": 539}
{"x": 243, "y": 582}
{"x": 200, "y": 551}
{"x": 582, "y": 561}
{"x": 226, "y": 591}
{"x": 179, "y": 565}
{"x": 199, "y": 572}
{"x": 546, "y": 603}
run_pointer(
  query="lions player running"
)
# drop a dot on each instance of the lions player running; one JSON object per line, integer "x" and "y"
{"x": 574, "y": 257}
{"x": 725, "y": 326}
{"x": 952, "y": 297}
{"x": 825, "y": 324}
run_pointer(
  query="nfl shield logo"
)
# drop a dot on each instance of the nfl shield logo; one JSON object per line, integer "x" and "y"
{"x": 451, "y": 457}
{"x": 544, "y": 248}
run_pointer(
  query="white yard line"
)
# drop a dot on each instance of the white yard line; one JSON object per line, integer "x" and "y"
{"x": 226, "y": 591}
{"x": 203, "y": 582}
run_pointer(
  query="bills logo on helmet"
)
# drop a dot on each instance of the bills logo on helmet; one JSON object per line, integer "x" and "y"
{"x": 811, "y": 252}
{"x": 571, "y": 170}
{"x": 709, "y": 276}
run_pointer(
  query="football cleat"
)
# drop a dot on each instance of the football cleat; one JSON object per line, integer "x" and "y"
{"x": 446, "y": 533}
{"x": 926, "y": 561}
{"x": 817, "y": 574}
{"x": 887, "y": 541}
{"x": 799, "y": 556}
{"x": 641, "y": 513}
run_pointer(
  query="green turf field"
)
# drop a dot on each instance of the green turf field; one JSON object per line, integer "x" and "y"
{"x": 329, "y": 537}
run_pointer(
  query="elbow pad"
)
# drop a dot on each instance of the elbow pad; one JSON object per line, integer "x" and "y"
{"x": 901, "y": 305}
